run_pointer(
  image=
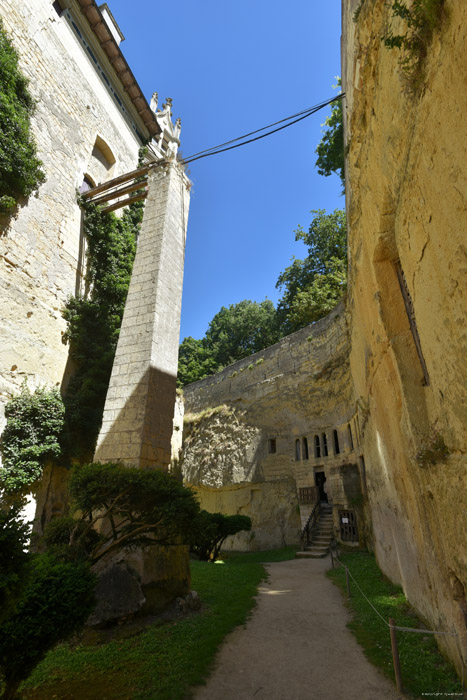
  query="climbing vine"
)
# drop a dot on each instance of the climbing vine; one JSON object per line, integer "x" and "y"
{"x": 20, "y": 169}
{"x": 31, "y": 437}
{"x": 94, "y": 320}
{"x": 420, "y": 20}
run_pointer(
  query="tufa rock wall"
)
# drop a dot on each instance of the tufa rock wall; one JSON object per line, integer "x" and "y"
{"x": 406, "y": 203}
{"x": 257, "y": 449}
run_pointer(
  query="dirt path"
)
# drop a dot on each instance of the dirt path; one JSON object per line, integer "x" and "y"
{"x": 296, "y": 645}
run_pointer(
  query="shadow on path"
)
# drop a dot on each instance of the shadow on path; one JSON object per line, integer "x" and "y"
{"x": 296, "y": 645}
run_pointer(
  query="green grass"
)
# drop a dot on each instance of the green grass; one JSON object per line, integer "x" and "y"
{"x": 424, "y": 669}
{"x": 163, "y": 661}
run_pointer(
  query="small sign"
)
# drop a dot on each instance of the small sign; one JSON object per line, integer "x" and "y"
{"x": 345, "y": 520}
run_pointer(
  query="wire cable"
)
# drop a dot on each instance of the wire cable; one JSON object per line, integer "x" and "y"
{"x": 396, "y": 627}
{"x": 221, "y": 148}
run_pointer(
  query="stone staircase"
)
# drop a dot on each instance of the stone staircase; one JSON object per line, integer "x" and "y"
{"x": 321, "y": 537}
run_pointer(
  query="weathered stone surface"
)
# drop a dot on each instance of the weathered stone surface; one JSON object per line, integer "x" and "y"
{"x": 138, "y": 416}
{"x": 164, "y": 573}
{"x": 272, "y": 507}
{"x": 406, "y": 200}
{"x": 242, "y": 456}
{"x": 140, "y": 580}
{"x": 118, "y": 593}
{"x": 42, "y": 252}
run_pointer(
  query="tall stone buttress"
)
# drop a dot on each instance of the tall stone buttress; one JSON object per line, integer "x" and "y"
{"x": 138, "y": 415}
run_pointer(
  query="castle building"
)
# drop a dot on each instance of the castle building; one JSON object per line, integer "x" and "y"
{"x": 91, "y": 119}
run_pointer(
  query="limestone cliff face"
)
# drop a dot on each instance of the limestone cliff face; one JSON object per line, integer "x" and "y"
{"x": 406, "y": 202}
{"x": 258, "y": 433}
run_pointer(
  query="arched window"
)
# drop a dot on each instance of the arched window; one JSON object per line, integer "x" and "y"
{"x": 336, "y": 442}
{"x": 305, "y": 448}
{"x": 103, "y": 153}
{"x": 297, "y": 450}
{"x": 349, "y": 428}
{"x": 86, "y": 185}
{"x": 325, "y": 444}
{"x": 317, "y": 446}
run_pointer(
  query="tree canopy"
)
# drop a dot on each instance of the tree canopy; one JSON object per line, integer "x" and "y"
{"x": 235, "y": 332}
{"x": 313, "y": 286}
{"x": 330, "y": 149}
{"x": 142, "y": 507}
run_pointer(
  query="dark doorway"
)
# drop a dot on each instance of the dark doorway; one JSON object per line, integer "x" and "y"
{"x": 320, "y": 478}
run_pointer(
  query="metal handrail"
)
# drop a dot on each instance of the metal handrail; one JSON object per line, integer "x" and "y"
{"x": 310, "y": 523}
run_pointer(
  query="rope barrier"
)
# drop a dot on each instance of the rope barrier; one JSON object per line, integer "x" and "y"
{"x": 393, "y": 628}
{"x": 396, "y": 627}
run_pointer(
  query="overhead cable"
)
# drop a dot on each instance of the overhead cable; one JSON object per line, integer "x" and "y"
{"x": 299, "y": 116}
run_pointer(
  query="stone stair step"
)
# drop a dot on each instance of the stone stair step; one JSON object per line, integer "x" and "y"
{"x": 311, "y": 554}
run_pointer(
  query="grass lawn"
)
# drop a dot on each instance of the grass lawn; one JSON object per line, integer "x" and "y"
{"x": 424, "y": 669}
{"x": 161, "y": 662}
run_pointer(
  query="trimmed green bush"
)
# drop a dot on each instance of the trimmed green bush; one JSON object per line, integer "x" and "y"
{"x": 57, "y": 601}
{"x": 142, "y": 507}
{"x": 210, "y": 531}
{"x": 14, "y": 559}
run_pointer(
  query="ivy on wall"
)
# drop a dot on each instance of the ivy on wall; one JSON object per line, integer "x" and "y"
{"x": 20, "y": 168}
{"x": 31, "y": 437}
{"x": 94, "y": 320}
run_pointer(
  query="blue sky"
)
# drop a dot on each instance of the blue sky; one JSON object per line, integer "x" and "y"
{"x": 232, "y": 67}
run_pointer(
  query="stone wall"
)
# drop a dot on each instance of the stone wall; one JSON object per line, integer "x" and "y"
{"x": 42, "y": 251}
{"x": 406, "y": 200}
{"x": 272, "y": 407}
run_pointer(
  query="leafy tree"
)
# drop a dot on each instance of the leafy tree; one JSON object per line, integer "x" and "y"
{"x": 330, "y": 149}
{"x": 195, "y": 361}
{"x": 313, "y": 286}
{"x": 14, "y": 559}
{"x": 241, "y": 330}
{"x": 20, "y": 168}
{"x": 142, "y": 507}
{"x": 57, "y": 600}
{"x": 93, "y": 322}
{"x": 235, "y": 332}
{"x": 31, "y": 437}
{"x": 210, "y": 531}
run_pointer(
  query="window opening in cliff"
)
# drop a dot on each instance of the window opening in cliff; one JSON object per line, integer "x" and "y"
{"x": 325, "y": 444}
{"x": 297, "y": 450}
{"x": 336, "y": 442}
{"x": 307, "y": 495}
{"x": 349, "y": 429}
{"x": 57, "y": 7}
{"x": 320, "y": 480}
{"x": 317, "y": 446}
{"x": 272, "y": 446}
{"x": 305, "y": 448}
{"x": 363, "y": 474}
{"x": 348, "y": 526}
{"x": 409, "y": 307}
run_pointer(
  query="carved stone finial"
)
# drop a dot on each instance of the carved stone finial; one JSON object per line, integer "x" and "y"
{"x": 168, "y": 140}
{"x": 177, "y": 128}
{"x": 154, "y": 102}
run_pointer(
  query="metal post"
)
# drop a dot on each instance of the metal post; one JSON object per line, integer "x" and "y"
{"x": 332, "y": 559}
{"x": 395, "y": 656}
{"x": 347, "y": 581}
